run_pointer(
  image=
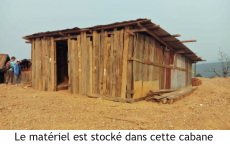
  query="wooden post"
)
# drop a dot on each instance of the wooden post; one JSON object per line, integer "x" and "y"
{"x": 195, "y": 70}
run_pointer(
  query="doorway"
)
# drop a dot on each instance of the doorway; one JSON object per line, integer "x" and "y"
{"x": 62, "y": 64}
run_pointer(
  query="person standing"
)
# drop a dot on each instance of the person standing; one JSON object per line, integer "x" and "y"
{"x": 17, "y": 72}
{"x": 10, "y": 71}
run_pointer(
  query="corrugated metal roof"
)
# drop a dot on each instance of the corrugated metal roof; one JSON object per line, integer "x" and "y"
{"x": 146, "y": 22}
{"x": 3, "y": 60}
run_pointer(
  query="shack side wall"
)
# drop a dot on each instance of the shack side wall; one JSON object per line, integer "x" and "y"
{"x": 148, "y": 77}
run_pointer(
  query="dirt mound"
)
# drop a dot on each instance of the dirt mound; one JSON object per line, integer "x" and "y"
{"x": 25, "y": 108}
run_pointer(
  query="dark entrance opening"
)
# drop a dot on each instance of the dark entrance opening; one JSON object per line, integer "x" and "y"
{"x": 2, "y": 77}
{"x": 62, "y": 64}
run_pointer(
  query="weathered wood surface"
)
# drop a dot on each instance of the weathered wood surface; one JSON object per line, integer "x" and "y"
{"x": 130, "y": 66}
{"x": 172, "y": 95}
{"x": 111, "y": 64}
{"x": 124, "y": 66}
{"x": 163, "y": 90}
{"x": 115, "y": 99}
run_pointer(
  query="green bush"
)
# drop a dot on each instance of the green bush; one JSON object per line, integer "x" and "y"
{"x": 198, "y": 75}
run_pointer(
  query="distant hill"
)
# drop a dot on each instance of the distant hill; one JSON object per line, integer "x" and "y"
{"x": 200, "y": 69}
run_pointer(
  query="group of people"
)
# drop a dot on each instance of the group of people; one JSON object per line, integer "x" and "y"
{"x": 14, "y": 70}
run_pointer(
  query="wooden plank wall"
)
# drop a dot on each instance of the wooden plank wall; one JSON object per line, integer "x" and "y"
{"x": 42, "y": 57}
{"x": 99, "y": 64}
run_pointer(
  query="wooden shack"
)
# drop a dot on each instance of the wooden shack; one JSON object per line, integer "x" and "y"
{"x": 121, "y": 61}
{"x": 4, "y": 58}
{"x": 26, "y": 71}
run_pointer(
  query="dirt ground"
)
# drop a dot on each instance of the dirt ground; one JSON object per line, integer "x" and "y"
{"x": 208, "y": 108}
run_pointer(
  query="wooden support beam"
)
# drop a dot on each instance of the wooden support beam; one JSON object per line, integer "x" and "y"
{"x": 130, "y": 32}
{"x": 182, "y": 41}
{"x": 55, "y": 33}
{"x": 109, "y": 33}
{"x": 28, "y": 42}
{"x": 166, "y": 36}
{"x": 159, "y": 65}
{"x": 65, "y": 38}
{"x": 180, "y": 51}
{"x": 138, "y": 30}
{"x": 62, "y": 34}
{"x": 155, "y": 36}
{"x": 153, "y": 92}
{"x": 153, "y": 27}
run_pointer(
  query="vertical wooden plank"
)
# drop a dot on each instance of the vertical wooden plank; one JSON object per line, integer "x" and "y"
{"x": 108, "y": 68}
{"x": 114, "y": 64}
{"x": 101, "y": 67}
{"x": 40, "y": 66}
{"x": 94, "y": 61}
{"x": 49, "y": 64}
{"x": 130, "y": 66}
{"x": 105, "y": 62}
{"x": 124, "y": 65}
{"x": 70, "y": 65}
{"x": 55, "y": 67}
{"x": 79, "y": 63}
{"x": 118, "y": 53}
{"x": 120, "y": 58}
{"x": 97, "y": 60}
{"x": 112, "y": 72}
{"x": 84, "y": 62}
{"x": 44, "y": 64}
{"x": 73, "y": 61}
{"x": 76, "y": 67}
{"x": 33, "y": 63}
{"x": 36, "y": 62}
{"x": 87, "y": 65}
{"x": 90, "y": 67}
{"x": 52, "y": 64}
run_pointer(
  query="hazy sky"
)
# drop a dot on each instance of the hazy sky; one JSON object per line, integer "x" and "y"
{"x": 207, "y": 21}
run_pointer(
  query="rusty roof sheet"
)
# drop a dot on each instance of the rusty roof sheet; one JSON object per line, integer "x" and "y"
{"x": 3, "y": 59}
{"x": 147, "y": 22}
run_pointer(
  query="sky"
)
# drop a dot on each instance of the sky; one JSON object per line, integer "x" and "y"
{"x": 207, "y": 21}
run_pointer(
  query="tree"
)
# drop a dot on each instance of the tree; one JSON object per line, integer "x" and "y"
{"x": 225, "y": 65}
{"x": 198, "y": 75}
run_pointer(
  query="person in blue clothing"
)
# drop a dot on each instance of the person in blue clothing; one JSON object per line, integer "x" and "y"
{"x": 17, "y": 72}
{"x": 10, "y": 71}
